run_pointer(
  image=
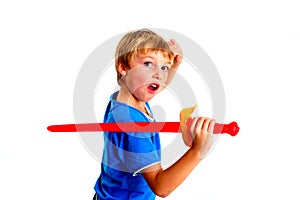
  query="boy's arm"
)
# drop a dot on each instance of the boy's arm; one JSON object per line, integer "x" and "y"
{"x": 163, "y": 182}
{"x": 177, "y": 59}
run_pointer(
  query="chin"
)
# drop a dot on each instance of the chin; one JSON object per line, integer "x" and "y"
{"x": 147, "y": 98}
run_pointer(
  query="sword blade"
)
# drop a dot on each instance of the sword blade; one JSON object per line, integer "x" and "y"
{"x": 118, "y": 127}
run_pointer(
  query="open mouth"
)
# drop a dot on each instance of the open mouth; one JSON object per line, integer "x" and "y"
{"x": 153, "y": 87}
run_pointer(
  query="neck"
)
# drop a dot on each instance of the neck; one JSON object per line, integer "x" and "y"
{"x": 128, "y": 98}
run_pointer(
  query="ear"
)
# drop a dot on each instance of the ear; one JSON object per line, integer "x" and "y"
{"x": 122, "y": 69}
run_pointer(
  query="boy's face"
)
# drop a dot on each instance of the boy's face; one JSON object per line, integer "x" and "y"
{"x": 147, "y": 75}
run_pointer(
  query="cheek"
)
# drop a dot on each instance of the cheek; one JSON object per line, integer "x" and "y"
{"x": 165, "y": 76}
{"x": 139, "y": 75}
{"x": 136, "y": 81}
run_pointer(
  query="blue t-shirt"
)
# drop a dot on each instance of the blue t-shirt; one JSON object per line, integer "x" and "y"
{"x": 126, "y": 154}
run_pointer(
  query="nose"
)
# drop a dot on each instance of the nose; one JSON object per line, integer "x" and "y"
{"x": 157, "y": 73}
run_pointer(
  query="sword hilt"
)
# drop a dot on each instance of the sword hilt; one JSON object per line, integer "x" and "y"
{"x": 186, "y": 122}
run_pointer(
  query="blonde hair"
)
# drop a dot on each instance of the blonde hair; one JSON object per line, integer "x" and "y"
{"x": 140, "y": 41}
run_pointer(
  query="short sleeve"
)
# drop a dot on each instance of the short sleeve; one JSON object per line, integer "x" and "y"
{"x": 139, "y": 152}
{"x": 129, "y": 151}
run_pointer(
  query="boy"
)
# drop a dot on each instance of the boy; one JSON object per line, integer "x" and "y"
{"x": 131, "y": 169}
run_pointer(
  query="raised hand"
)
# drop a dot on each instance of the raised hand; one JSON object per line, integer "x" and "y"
{"x": 177, "y": 51}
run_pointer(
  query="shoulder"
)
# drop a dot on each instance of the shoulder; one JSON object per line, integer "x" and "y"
{"x": 121, "y": 112}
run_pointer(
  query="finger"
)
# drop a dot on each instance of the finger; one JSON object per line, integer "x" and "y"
{"x": 199, "y": 125}
{"x": 206, "y": 124}
{"x": 172, "y": 42}
{"x": 192, "y": 127}
{"x": 211, "y": 125}
{"x": 209, "y": 136}
{"x": 177, "y": 58}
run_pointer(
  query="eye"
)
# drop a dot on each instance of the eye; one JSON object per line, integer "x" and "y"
{"x": 164, "y": 68}
{"x": 148, "y": 64}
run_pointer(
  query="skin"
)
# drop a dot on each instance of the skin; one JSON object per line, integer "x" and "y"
{"x": 144, "y": 71}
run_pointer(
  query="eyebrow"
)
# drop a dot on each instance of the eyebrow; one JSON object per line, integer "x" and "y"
{"x": 153, "y": 58}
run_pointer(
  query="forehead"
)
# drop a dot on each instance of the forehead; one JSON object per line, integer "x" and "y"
{"x": 154, "y": 54}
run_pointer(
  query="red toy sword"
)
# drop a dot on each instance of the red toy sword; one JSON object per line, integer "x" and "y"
{"x": 175, "y": 127}
{"x": 231, "y": 128}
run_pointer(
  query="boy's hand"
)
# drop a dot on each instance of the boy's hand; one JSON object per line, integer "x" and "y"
{"x": 177, "y": 51}
{"x": 202, "y": 131}
{"x": 177, "y": 59}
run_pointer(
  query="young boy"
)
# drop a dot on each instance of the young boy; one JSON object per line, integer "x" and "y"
{"x": 131, "y": 169}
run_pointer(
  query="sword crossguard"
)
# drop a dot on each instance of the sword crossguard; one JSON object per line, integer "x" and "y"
{"x": 185, "y": 124}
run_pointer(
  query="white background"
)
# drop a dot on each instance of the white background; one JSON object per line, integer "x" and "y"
{"x": 255, "y": 46}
